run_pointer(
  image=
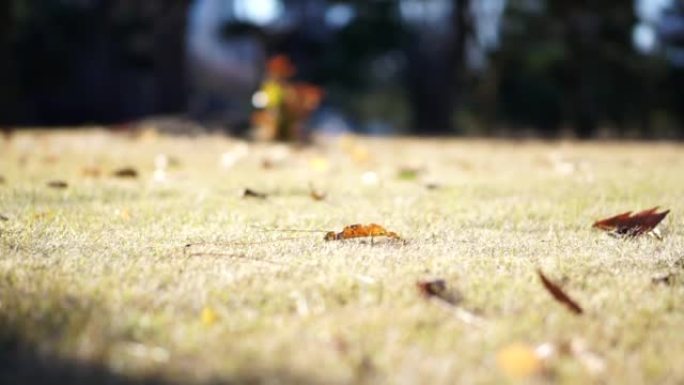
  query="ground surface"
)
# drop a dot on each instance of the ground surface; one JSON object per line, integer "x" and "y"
{"x": 96, "y": 285}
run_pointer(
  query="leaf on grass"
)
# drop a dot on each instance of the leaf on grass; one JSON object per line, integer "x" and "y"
{"x": 126, "y": 172}
{"x": 360, "y": 231}
{"x": 4, "y": 218}
{"x": 409, "y": 173}
{"x": 431, "y": 288}
{"x": 437, "y": 292}
{"x": 437, "y": 288}
{"x": 316, "y": 194}
{"x": 57, "y": 184}
{"x": 666, "y": 279}
{"x": 632, "y": 225}
{"x": 519, "y": 360}
{"x": 208, "y": 316}
{"x": 559, "y": 294}
{"x": 249, "y": 193}
{"x": 91, "y": 172}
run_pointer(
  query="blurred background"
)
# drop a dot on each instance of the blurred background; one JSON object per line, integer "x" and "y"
{"x": 610, "y": 68}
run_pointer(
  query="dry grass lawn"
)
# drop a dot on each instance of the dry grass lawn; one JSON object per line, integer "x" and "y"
{"x": 97, "y": 287}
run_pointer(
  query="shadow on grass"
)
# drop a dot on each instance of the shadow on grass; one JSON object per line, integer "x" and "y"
{"x": 26, "y": 337}
{"x": 24, "y": 365}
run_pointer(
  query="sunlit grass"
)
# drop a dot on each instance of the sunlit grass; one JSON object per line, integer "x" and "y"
{"x": 98, "y": 274}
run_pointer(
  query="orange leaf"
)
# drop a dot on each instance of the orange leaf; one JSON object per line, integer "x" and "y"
{"x": 519, "y": 360}
{"x": 358, "y": 231}
{"x": 559, "y": 294}
{"x": 280, "y": 66}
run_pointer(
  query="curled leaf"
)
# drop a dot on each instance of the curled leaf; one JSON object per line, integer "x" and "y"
{"x": 58, "y": 184}
{"x": 359, "y": 231}
{"x": 126, "y": 172}
{"x": 559, "y": 294}
{"x": 632, "y": 225}
{"x": 249, "y": 193}
{"x": 666, "y": 279}
{"x": 431, "y": 288}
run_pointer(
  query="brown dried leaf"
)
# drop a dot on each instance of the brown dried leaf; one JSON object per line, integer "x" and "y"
{"x": 249, "y": 193}
{"x": 57, "y": 184}
{"x": 2, "y": 179}
{"x": 126, "y": 172}
{"x": 316, "y": 194}
{"x": 666, "y": 279}
{"x": 559, "y": 294}
{"x": 359, "y": 231}
{"x": 431, "y": 288}
{"x": 632, "y": 225}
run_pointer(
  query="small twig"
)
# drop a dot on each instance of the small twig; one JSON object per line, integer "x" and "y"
{"x": 236, "y": 256}
{"x": 462, "y": 314}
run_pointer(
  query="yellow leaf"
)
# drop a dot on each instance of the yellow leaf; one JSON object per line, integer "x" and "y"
{"x": 208, "y": 316}
{"x": 519, "y": 360}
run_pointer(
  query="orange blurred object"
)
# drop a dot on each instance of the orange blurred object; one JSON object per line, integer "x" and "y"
{"x": 281, "y": 67}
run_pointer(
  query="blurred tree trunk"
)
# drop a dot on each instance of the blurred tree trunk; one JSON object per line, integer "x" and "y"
{"x": 169, "y": 56}
{"x": 7, "y": 82}
{"x": 435, "y": 66}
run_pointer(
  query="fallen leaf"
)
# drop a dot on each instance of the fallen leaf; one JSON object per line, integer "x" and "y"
{"x": 57, "y": 184}
{"x": 437, "y": 292}
{"x": 431, "y": 288}
{"x": 519, "y": 360}
{"x": 559, "y": 294}
{"x": 92, "y": 172}
{"x": 315, "y": 194}
{"x": 124, "y": 214}
{"x": 2, "y": 179}
{"x": 409, "y": 173}
{"x": 359, "y": 231}
{"x": 126, "y": 172}
{"x": 3, "y": 218}
{"x": 664, "y": 279}
{"x": 249, "y": 193}
{"x": 208, "y": 316}
{"x": 267, "y": 164}
{"x": 632, "y": 225}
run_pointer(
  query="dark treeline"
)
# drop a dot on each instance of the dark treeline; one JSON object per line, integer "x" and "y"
{"x": 420, "y": 66}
